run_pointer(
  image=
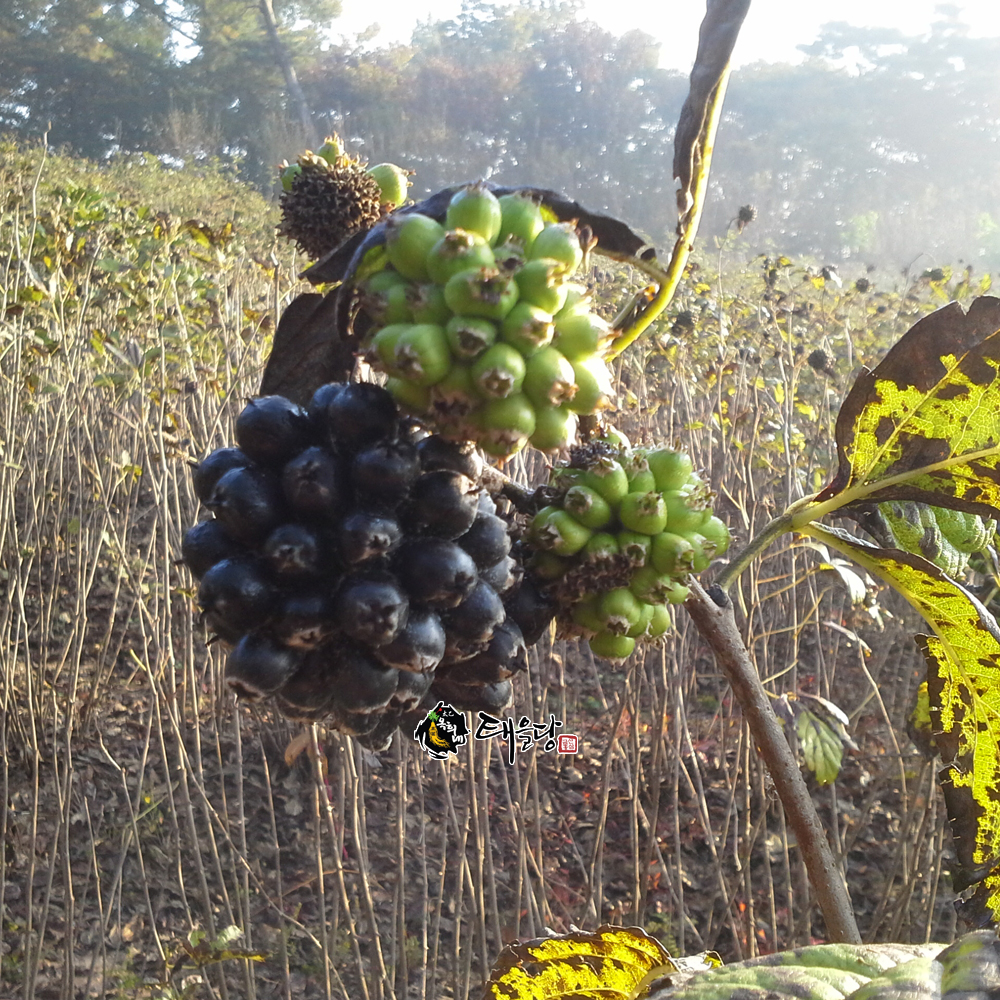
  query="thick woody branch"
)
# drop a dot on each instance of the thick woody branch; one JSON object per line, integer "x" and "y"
{"x": 712, "y": 614}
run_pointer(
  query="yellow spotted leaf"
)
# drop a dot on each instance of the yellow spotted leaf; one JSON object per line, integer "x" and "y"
{"x": 922, "y": 425}
{"x": 963, "y": 690}
{"x": 613, "y": 963}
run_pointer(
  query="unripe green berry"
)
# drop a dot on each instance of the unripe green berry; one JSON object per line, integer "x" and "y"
{"x": 332, "y": 150}
{"x": 555, "y": 428}
{"x": 613, "y": 436}
{"x": 602, "y": 545}
{"x": 585, "y": 614}
{"x": 476, "y": 209}
{"x": 287, "y": 175}
{"x": 484, "y": 292}
{"x": 639, "y": 629}
{"x": 588, "y": 507}
{"x": 563, "y": 477}
{"x": 505, "y": 425}
{"x": 620, "y": 609}
{"x": 608, "y": 478}
{"x": 548, "y": 566}
{"x": 612, "y": 647}
{"x": 383, "y": 346}
{"x": 672, "y": 553}
{"x": 458, "y": 250}
{"x": 650, "y": 585}
{"x": 679, "y": 593}
{"x": 469, "y": 336}
{"x": 543, "y": 284}
{"x": 427, "y": 304}
{"x": 671, "y": 468}
{"x": 382, "y": 281}
{"x": 409, "y": 396}
{"x": 408, "y": 240}
{"x": 520, "y": 219}
{"x": 577, "y": 299}
{"x": 499, "y": 372}
{"x": 559, "y": 241}
{"x": 421, "y": 354}
{"x": 703, "y": 552}
{"x": 594, "y": 390}
{"x": 454, "y": 399}
{"x": 643, "y": 512}
{"x": 553, "y": 530}
{"x": 390, "y": 306}
{"x": 717, "y": 532}
{"x": 581, "y": 334}
{"x": 682, "y": 516}
{"x": 636, "y": 547}
{"x": 640, "y": 476}
{"x": 527, "y": 328}
{"x": 660, "y": 623}
{"x": 548, "y": 379}
{"x": 392, "y": 181}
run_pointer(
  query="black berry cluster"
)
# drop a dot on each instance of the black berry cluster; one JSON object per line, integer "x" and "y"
{"x": 355, "y": 565}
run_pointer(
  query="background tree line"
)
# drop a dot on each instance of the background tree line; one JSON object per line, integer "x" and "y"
{"x": 878, "y": 147}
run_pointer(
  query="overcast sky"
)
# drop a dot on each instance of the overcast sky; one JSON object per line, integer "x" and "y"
{"x": 771, "y": 32}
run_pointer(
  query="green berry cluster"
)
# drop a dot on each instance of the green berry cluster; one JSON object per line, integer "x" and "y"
{"x": 946, "y": 537}
{"x": 479, "y": 327}
{"x": 628, "y": 527}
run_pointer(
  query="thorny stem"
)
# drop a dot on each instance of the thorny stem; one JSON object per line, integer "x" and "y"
{"x": 712, "y": 614}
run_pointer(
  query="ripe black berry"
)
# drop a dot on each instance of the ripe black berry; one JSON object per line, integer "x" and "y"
{"x": 462, "y": 457}
{"x": 442, "y": 503}
{"x": 436, "y": 572}
{"x": 237, "y": 592}
{"x": 361, "y": 683}
{"x": 272, "y": 429}
{"x": 411, "y": 690}
{"x": 531, "y": 610}
{"x": 502, "y": 575}
{"x": 368, "y": 536}
{"x": 258, "y": 666}
{"x": 293, "y": 550}
{"x": 379, "y": 737}
{"x": 313, "y": 484}
{"x": 487, "y": 541}
{"x": 318, "y": 406}
{"x": 476, "y": 617}
{"x": 419, "y": 647}
{"x": 359, "y": 415}
{"x": 247, "y": 503}
{"x": 308, "y": 695}
{"x": 371, "y": 610}
{"x": 304, "y": 619}
{"x": 206, "y": 544}
{"x": 492, "y": 698}
{"x": 383, "y": 474}
{"x": 213, "y": 467}
{"x": 500, "y": 660}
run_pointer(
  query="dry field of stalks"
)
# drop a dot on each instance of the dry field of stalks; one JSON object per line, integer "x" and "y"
{"x": 155, "y": 830}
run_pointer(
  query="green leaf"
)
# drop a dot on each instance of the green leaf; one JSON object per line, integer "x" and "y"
{"x": 822, "y": 748}
{"x": 613, "y": 963}
{"x": 818, "y": 972}
{"x": 922, "y": 425}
